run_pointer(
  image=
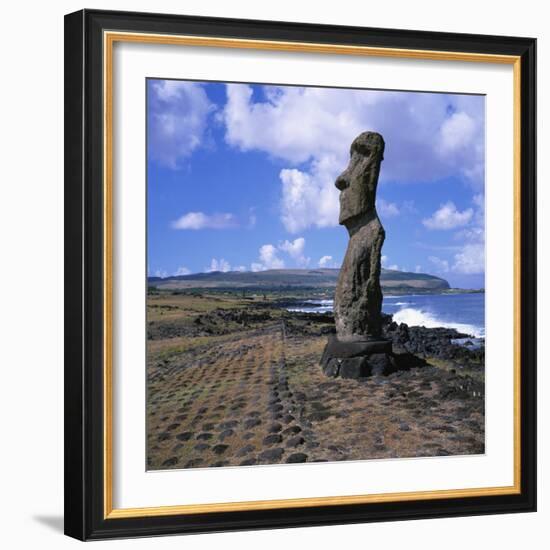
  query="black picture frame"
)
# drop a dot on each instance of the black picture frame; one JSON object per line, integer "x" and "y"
{"x": 84, "y": 281}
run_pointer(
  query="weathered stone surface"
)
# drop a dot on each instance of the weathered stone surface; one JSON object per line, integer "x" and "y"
{"x": 337, "y": 348}
{"x": 354, "y": 367}
{"x": 358, "y": 350}
{"x": 358, "y": 297}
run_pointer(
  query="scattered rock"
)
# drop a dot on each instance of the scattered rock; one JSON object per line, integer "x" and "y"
{"x": 247, "y": 449}
{"x": 226, "y": 433}
{"x": 251, "y": 423}
{"x": 271, "y": 455}
{"x": 220, "y": 448}
{"x": 229, "y": 424}
{"x": 295, "y": 441}
{"x": 272, "y": 439}
{"x": 292, "y": 430}
{"x": 194, "y": 462}
{"x": 185, "y": 436}
{"x": 296, "y": 458}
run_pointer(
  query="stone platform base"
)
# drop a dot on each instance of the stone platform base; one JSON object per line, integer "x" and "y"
{"x": 358, "y": 359}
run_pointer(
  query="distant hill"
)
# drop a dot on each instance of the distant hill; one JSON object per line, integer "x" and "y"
{"x": 401, "y": 281}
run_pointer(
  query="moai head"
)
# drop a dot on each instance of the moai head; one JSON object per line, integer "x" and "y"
{"x": 358, "y": 182}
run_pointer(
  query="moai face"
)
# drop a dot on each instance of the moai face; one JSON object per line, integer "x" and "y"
{"x": 358, "y": 182}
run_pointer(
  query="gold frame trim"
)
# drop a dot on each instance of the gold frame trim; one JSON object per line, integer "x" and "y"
{"x": 109, "y": 39}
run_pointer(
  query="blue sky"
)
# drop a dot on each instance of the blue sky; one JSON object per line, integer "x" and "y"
{"x": 241, "y": 177}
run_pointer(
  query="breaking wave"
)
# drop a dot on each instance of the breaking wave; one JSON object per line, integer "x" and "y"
{"x": 420, "y": 318}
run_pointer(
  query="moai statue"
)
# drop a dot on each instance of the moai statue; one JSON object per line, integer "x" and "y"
{"x": 358, "y": 349}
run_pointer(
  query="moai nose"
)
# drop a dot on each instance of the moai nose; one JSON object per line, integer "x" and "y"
{"x": 342, "y": 181}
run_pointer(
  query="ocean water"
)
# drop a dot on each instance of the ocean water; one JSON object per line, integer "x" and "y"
{"x": 463, "y": 312}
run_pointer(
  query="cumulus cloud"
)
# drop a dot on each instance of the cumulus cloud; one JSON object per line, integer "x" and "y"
{"x": 387, "y": 209}
{"x": 326, "y": 261}
{"x": 269, "y": 255}
{"x": 441, "y": 266}
{"x": 178, "y": 120}
{"x": 448, "y": 217}
{"x": 295, "y": 249}
{"x": 471, "y": 260}
{"x": 385, "y": 262}
{"x": 310, "y": 198}
{"x": 429, "y": 137}
{"x": 218, "y": 265}
{"x": 467, "y": 256}
{"x": 182, "y": 271}
{"x": 268, "y": 259}
{"x": 162, "y": 273}
{"x": 200, "y": 220}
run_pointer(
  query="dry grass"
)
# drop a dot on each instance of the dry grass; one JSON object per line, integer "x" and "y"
{"x": 224, "y": 400}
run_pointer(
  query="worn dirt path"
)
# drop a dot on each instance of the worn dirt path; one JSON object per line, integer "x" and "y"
{"x": 259, "y": 397}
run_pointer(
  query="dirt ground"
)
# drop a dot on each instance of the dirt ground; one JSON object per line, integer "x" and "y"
{"x": 236, "y": 389}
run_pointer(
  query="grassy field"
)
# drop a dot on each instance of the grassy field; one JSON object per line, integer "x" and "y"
{"x": 234, "y": 379}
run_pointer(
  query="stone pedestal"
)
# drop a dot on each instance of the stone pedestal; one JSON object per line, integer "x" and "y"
{"x": 358, "y": 358}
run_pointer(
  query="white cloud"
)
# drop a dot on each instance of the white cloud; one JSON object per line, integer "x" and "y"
{"x": 461, "y": 139}
{"x": 428, "y": 137}
{"x": 269, "y": 257}
{"x": 326, "y": 261}
{"x": 393, "y": 267}
{"x": 178, "y": 119}
{"x": 384, "y": 260}
{"x": 471, "y": 234}
{"x": 418, "y": 269}
{"x": 218, "y": 265}
{"x": 182, "y": 271}
{"x": 310, "y": 198}
{"x": 161, "y": 273}
{"x": 441, "y": 266}
{"x": 471, "y": 260}
{"x": 448, "y": 217}
{"x": 456, "y": 132}
{"x": 240, "y": 268}
{"x": 295, "y": 249}
{"x": 200, "y": 220}
{"x": 387, "y": 209}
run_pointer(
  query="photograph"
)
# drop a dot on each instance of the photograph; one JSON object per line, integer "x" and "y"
{"x": 315, "y": 274}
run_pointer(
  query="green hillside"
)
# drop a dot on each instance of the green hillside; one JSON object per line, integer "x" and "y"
{"x": 283, "y": 278}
